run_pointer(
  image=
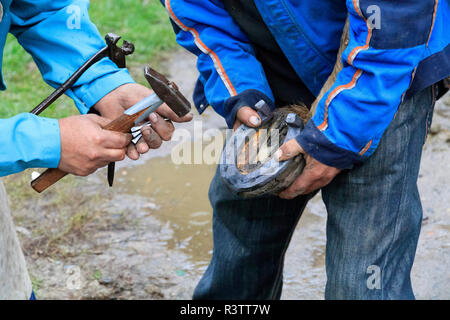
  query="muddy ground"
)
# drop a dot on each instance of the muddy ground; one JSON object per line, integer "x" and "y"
{"x": 150, "y": 237}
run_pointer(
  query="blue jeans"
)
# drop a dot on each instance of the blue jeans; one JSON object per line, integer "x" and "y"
{"x": 373, "y": 225}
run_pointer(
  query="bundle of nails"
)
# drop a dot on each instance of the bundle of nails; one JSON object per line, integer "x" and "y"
{"x": 136, "y": 132}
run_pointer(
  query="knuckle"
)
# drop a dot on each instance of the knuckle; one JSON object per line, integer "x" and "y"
{"x": 127, "y": 139}
{"x": 97, "y": 139}
{"x": 285, "y": 149}
{"x": 122, "y": 155}
{"x": 166, "y": 136}
{"x": 93, "y": 155}
{"x": 154, "y": 142}
{"x": 289, "y": 151}
{"x": 146, "y": 132}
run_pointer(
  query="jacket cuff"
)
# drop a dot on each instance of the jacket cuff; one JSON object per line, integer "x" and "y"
{"x": 317, "y": 145}
{"x": 36, "y": 141}
{"x": 50, "y": 144}
{"x": 245, "y": 98}
{"x": 111, "y": 77}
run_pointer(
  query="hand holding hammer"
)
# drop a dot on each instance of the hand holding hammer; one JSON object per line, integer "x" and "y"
{"x": 165, "y": 92}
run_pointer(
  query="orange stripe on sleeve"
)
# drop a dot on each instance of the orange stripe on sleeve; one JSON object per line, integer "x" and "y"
{"x": 364, "y": 150}
{"x": 434, "y": 19}
{"x": 350, "y": 60}
{"x": 356, "y": 50}
{"x": 204, "y": 48}
{"x": 334, "y": 93}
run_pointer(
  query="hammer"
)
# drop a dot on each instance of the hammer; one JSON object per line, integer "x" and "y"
{"x": 165, "y": 92}
{"x": 112, "y": 51}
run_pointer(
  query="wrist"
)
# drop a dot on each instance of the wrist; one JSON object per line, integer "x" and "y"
{"x": 110, "y": 106}
{"x": 318, "y": 146}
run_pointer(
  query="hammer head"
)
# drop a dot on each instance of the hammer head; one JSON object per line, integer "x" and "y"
{"x": 167, "y": 91}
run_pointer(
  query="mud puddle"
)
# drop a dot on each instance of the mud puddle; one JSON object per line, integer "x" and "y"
{"x": 180, "y": 197}
{"x": 180, "y": 193}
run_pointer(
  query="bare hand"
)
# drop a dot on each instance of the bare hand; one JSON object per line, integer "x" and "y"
{"x": 248, "y": 116}
{"x": 117, "y": 101}
{"x": 85, "y": 146}
{"x": 315, "y": 175}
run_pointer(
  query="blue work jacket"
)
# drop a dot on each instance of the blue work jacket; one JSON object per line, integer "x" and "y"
{"x": 60, "y": 37}
{"x": 395, "y": 49}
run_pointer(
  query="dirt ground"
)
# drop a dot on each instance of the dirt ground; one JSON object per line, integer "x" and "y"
{"x": 150, "y": 237}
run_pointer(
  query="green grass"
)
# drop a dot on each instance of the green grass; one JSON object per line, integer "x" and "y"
{"x": 36, "y": 284}
{"x": 97, "y": 275}
{"x": 143, "y": 22}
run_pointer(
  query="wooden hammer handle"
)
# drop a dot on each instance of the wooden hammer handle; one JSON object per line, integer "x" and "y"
{"x": 49, "y": 177}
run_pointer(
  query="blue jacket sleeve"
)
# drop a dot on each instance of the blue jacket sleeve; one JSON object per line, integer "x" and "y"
{"x": 230, "y": 74}
{"x": 387, "y": 41}
{"x": 28, "y": 141}
{"x": 60, "y": 37}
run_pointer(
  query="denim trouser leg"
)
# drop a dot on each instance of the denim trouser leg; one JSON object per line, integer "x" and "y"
{"x": 250, "y": 240}
{"x": 374, "y": 212}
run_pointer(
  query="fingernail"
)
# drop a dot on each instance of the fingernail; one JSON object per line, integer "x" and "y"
{"x": 153, "y": 117}
{"x": 277, "y": 155}
{"x": 254, "y": 120}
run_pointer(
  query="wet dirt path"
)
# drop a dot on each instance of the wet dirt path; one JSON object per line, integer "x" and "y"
{"x": 155, "y": 238}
